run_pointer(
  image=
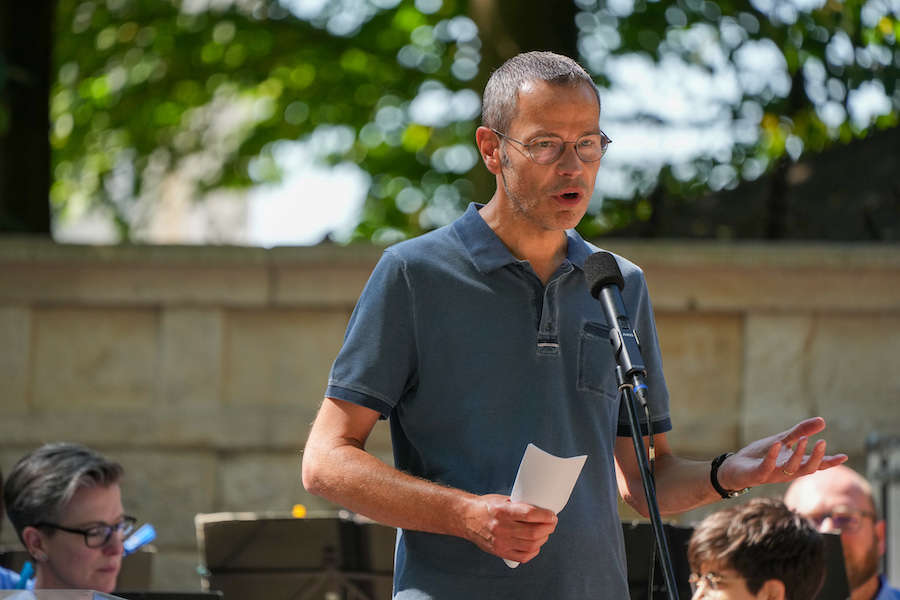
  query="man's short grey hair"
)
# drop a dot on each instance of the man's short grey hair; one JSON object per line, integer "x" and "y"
{"x": 43, "y": 482}
{"x": 500, "y": 100}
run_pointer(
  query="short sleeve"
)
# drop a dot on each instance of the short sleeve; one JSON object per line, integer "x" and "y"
{"x": 376, "y": 365}
{"x": 637, "y": 302}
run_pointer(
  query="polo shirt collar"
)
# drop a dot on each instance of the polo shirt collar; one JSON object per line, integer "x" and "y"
{"x": 488, "y": 252}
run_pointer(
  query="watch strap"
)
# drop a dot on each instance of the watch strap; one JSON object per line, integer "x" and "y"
{"x": 714, "y": 478}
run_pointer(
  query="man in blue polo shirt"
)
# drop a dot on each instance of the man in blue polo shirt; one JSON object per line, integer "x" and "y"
{"x": 481, "y": 337}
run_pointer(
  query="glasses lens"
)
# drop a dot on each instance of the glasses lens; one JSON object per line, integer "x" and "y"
{"x": 845, "y": 521}
{"x": 591, "y": 148}
{"x": 840, "y": 520}
{"x": 545, "y": 150}
{"x": 97, "y": 536}
{"x": 100, "y": 535}
{"x": 126, "y": 526}
{"x": 709, "y": 581}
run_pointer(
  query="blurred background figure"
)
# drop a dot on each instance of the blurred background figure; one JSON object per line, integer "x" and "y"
{"x": 841, "y": 501}
{"x": 760, "y": 550}
{"x": 8, "y": 579}
{"x": 65, "y": 503}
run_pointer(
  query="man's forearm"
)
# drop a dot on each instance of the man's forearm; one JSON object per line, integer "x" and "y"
{"x": 683, "y": 484}
{"x": 353, "y": 478}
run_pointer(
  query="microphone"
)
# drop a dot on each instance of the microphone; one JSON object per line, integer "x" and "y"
{"x": 604, "y": 281}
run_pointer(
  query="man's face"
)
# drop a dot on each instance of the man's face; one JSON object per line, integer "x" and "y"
{"x": 550, "y": 197}
{"x": 829, "y": 497}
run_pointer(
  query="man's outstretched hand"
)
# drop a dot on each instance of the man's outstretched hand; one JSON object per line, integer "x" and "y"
{"x": 778, "y": 458}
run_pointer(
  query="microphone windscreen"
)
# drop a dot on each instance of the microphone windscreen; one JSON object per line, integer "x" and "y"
{"x": 601, "y": 270}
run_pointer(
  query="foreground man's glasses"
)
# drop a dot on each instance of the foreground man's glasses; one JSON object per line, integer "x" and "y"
{"x": 547, "y": 149}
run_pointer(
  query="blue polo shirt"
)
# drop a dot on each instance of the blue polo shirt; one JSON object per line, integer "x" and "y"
{"x": 885, "y": 591}
{"x": 472, "y": 357}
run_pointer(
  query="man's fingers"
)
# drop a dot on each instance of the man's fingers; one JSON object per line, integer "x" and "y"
{"x": 832, "y": 461}
{"x": 768, "y": 463}
{"x": 811, "y": 463}
{"x": 526, "y": 513}
{"x": 806, "y": 428}
{"x": 793, "y": 464}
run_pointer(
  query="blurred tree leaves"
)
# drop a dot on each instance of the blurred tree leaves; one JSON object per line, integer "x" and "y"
{"x": 213, "y": 91}
{"x": 147, "y": 88}
{"x": 794, "y": 77}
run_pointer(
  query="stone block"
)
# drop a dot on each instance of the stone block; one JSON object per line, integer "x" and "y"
{"x": 176, "y": 570}
{"x": 133, "y": 275}
{"x": 191, "y": 356}
{"x": 9, "y": 455}
{"x": 281, "y": 427}
{"x": 753, "y": 280}
{"x": 776, "y": 377}
{"x": 15, "y": 348}
{"x": 259, "y": 481}
{"x": 280, "y": 356}
{"x": 166, "y": 489}
{"x": 320, "y": 285}
{"x": 702, "y": 359}
{"x": 854, "y": 379}
{"x": 91, "y": 358}
{"x": 379, "y": 442}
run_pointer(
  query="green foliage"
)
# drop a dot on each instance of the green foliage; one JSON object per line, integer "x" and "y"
{"x": 213, "y": 90}
{"x": 822, "y": 54}
{"x": 147, "y": 88}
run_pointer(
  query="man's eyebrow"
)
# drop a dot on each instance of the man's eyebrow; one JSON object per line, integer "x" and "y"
{"x": 548, "y": 133}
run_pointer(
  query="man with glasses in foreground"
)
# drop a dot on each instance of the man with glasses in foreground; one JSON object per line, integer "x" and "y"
{"x": 64, "y": 501}
{"x": 840, "y": 500}
{"x": 760, "y": 550}
{"x": 481, "y": 337}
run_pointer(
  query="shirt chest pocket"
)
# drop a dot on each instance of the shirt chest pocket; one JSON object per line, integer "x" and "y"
{"x": 596, "y": 367}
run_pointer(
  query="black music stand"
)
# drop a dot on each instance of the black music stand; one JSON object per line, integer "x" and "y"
{"x": 639, "y": 541}
{"x": 277, "y": 557}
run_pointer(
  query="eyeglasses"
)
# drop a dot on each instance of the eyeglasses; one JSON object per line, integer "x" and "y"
{"x": 843, "y": 518}
{"x": 709, "y": 581}
{"x": 547, "y": 149}
{"x": 98, "y": 535}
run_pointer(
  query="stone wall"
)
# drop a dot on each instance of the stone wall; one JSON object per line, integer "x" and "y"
{"x": 201, "y": 368}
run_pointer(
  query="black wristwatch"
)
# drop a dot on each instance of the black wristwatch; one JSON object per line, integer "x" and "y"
{"x": 714, "y": 478}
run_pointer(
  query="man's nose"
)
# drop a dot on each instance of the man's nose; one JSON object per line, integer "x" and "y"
{"x": 569, "y": 163}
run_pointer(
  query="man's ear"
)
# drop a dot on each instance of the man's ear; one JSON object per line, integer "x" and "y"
{"x": 489, "y": 148}
{"x": 34, "y": 543}
{"x": 879, "y": 535}
{"x": 772, "y": 589}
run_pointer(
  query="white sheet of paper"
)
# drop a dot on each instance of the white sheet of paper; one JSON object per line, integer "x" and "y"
{"x": 545, "y": 480}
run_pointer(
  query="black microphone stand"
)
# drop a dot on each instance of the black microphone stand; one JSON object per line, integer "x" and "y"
{"x": 630, "y": 372}
{"x": 626, "y": 389}
{"x": 604, "y": 281}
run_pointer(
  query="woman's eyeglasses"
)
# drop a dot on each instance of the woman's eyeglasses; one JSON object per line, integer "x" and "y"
{"x": 98, "y": 535}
